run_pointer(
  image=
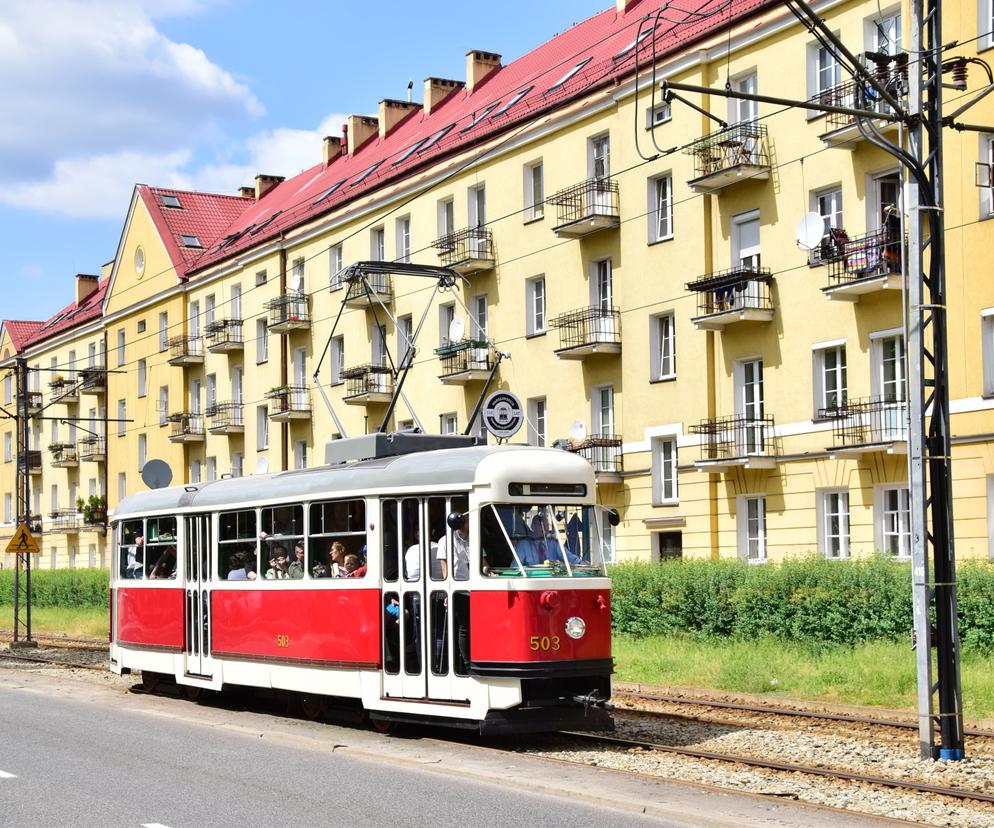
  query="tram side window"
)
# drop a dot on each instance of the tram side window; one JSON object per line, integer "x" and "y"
{"x": 160, "y": 547}
{"x": 337, "y": 542}
{"x": 236, "y": 547}
{"x": 131, "y": 549}
{"x": 391, "y": 545}
{"x": 410, "y": 537}
{"x": 282, "y": 531}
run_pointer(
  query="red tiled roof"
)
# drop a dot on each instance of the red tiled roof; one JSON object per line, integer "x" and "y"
{"x": 204, "y": 215}
{"x": 601, "y": 38}
{"x": 20, "y": 332}
{"x": 71, "y": 316}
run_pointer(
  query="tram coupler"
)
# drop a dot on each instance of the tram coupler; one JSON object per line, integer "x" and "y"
{"x": 593, "y": 699}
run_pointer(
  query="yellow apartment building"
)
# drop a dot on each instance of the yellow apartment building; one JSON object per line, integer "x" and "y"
{"x": 631, "y": 262}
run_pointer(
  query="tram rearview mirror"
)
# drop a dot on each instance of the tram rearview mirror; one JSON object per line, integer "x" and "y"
{"x": 613, "y": 517}
{"x": 456, "y": 520}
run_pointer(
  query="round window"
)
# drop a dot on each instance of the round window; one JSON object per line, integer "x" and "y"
{"x": 139, "y": 261}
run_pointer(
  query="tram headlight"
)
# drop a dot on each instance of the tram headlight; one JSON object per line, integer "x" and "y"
{"x": 575, "y": 626}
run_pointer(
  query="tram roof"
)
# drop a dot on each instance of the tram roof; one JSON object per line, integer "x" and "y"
{"x": 422, "y": 470}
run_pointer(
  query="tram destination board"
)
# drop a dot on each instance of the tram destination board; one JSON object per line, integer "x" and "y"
{"x": 502, "y": 414}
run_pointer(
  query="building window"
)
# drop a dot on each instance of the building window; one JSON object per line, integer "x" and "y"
{"x": 211, "y": 469}
{"x": 745, "y": 240}
{"x": 662, "y": 338}
{"x": 405, "y": 333}
{"x": 446, "y": 216}
{"x": 830, "y": 380}
{"x": 599, "y": 157}
{"x": 449, "y": 424}
{"x": 985, "y": 175}
{"x": 537, "y": 422}
{"x": 8, "y": 508}
{"x": 8, "y": 447}
{"x": 378, "y": 244}
{"x": 260, "y": 278}
{"x": 477, "y": 203}
{"x": 534, "y": 191}
{"x": 122, "y": 485}
{"x": 664, "y": 471}
{"x": 894, "y": 521}
{"x": 659, "y": 114}
{"x": 823, "y": 70}
{"x": 120, "y": 347}
{"x": 446, "y": 315}
{"x": 740, "y": 110}
{"x": 261, "y": 428}
{"x": 338, "y": 360}
{"x": 660, "y": 208}
{"x": 261, "y": 342}
{"x": 335, "y": 265}
{"x": 889, "y": 371}
{"x": 403, "y": 229}
{"x": 987, "y": 349}
{"x": 236, "y": 464}
{"x": 535, "y": 305}
{"x": 8, "y": 389}
{"x": 142, "y": 378}
{"x": 142, "y": 451}
{"x": 985, "y": 24}
{"x": 300, "y": 454}
{"x": 163, "y": 404}
{"x": 163, "y": 331}
{"x": 122, "y": 415}
{"x": 602, "y": 412}
{"x": 751, "y": 521}
{"x": 833, "y": 523}
{"x": 883, "y": 33}
{"x": 828, "y": 204}
{"x": 481, "y": 317}
{"x": 194, "y": 471}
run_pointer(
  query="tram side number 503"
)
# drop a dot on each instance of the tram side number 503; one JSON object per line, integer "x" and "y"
{"x": 544, "y": 643}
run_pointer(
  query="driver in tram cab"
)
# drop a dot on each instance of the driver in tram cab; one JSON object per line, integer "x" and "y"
{"x": 136, "y": 559}
{"x": 543, "y": 546}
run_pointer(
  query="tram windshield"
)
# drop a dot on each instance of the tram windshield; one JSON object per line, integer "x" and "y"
{"x": 542, "y": 540}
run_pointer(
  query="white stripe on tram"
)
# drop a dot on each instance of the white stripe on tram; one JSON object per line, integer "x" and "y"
{"x": 153, "y": 825}
{"x": 5, "y": 775}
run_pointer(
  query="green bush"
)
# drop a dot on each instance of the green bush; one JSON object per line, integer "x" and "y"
{"x": 60, "y": 587}
{"x": 809, "y": 600}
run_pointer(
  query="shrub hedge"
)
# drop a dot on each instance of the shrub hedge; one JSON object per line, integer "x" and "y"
{"x": 809, "y": 600}
{"x": 60, "y": 587}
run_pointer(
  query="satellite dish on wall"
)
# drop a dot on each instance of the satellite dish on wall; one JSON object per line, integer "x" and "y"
{"x": 578, "y": 431}
{"x": 810, "y": 230}
{"x": 456, "y": 329}
{"x": 156, "y": 474}
{"x": 262, "y": 465}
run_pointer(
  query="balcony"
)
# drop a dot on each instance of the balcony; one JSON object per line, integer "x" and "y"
{"x": 93, "y": 381}
{"x": 588, "y": 331}
{"x": 64, "y": 456}
{"x": 224, "y": 335}
{"x": 841, "y": 130}
{"x": 64, "y": 521}
{"x": 225, "y": 418}
{"x": 465, "y": 361}
{"x": 603, "y": 452}
{"x": 737, "y": 153}
{"x": 289, "y": 402}
{"x": 736, "y": 442}
{"x": 64, "y": 391}
{"x": 288, "y": 312}
{"x": 186, "y": 350}
{"x": 867, "y": 426}
{"x": 186, "y": 427}
{"x": 92, "y": 450}
{"x": 35, "y": 402}
{"x": 864, "y": 264}
{"x": 375, "y": 289}
{"x": 367, "y": 384}
{"x": 587, "y": 207}
{"x": 741, "y": 294}
{"x": 33, "y": 462}
{"x": 467, "y": 251}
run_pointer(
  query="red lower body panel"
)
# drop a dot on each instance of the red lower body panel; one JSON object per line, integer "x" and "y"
{"x": 151, "y": 618}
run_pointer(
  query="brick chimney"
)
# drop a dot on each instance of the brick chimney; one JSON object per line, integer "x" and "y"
{"x": 361, "y": 129}
{"x": 247, "y": 192}
{"x": 393, "y": 112}
{"x": 331, "y": 148}
{"x": 479, "y": 65}
{"x": 264, "y": 183}
{"x": 86, "y": 285}
{"x": 624, "y": 5}
{"x": 438, "y": 89}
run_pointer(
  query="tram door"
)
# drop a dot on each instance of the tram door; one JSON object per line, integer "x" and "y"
{"x": 197, "y": 598}
{"x": 420, "y": 633}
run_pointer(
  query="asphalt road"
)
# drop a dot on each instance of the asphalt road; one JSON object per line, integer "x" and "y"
{"x": 83, "y": 751}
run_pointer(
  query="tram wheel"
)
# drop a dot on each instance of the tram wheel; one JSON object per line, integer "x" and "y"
{"x": 313, "y": 707}
{"x": 192, "y": 693}
{"x": 150, "y": 681}
{"x": 383, "y": 726}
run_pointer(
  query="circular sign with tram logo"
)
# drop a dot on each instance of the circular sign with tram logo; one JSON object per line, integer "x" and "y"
{"x": 502, "y": 414}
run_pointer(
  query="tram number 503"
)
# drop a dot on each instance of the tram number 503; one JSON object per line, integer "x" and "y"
{"x": 544, "y": 643}
{"x": 282, "y": 641}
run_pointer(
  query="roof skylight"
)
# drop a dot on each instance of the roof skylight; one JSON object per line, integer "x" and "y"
{"x": 480, "y": 116}
{"x": 408, "y": 152}
{"x": 438, "y": 136}
{"x": 169, "y": 200}
{"x": 517, "y": 97}
{"x": 328, "y": 192}
{"x": 637, "y": 42}
{"x": 189, "y": 240}
{"x": 365, "y": 174}
{"x": 267, "y": 222}
{"x": 569, "y": 74}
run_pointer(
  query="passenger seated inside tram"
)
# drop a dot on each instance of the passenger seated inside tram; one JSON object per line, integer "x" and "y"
{"x": 278, "y": 567}
{"x": 543, "y": 545}
{"x": 352, "y": 566}
{"x": 165, "y": 566}
{"x": 136, "y": 559}
{"x": 236, "y": 567}
{"x": 296, "y": 568}
{"x": 335, "y": 568}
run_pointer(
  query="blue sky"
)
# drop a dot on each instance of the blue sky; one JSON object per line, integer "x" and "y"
{"x": 200, "y": 94}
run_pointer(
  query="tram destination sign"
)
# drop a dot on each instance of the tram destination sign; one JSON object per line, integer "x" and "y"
{"x": 502, "y": 414}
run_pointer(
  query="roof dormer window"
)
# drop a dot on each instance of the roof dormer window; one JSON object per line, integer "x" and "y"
{"x": 189, "y": 240}
{"x": 170, "y": 201}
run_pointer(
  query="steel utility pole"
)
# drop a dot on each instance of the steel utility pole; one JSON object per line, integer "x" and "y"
{"x": 22, "y": 567}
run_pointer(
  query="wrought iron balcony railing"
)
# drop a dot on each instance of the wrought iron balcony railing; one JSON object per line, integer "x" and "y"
{"x": 586, "y": 331}
{"x": 890, "y": 71}
{"x": 288, "y": 312}
{"x": 587, "y": 207}
{"x": 92, "y": 449}
{"x": 93, "y": 381}
{"x": 377, "y": 287}
{"x": 225, "y": 418}
{"x": 64, "y": 390}
{"x": 862, "y": 257}
{"x": 289, "y": 402}
{"x": 742, "y": 292}
{"x": 467, "y": 251}
{"x": 64, "y": 455}
{"x": 465, "y": 360}
{"x": 35, "y": 401}
{"x": 739, "y": 152}
{"x": 224, "y": 335}
{"x": 33, "y": 461}
{"x": 602, "y": 451}
{"x": 64, "y": 521}
{"x": 736, "y": 438}
{"x": 368, "y": 383}
{"x": 871, "y": 423}
{"x": 185, "y": 350}
{"x": 186, "y": 427}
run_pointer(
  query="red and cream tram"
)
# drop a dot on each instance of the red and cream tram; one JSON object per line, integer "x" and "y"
{"x": 464, "y": 586}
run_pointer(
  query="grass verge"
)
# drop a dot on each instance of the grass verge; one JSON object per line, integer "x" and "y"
{"x": 876, "y": 673}
{"x": 71, "y": 621}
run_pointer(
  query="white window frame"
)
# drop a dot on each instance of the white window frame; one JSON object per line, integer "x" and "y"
{"x": 599, "y": 156}
{"x": 402, "y": 230}
{"x": 261, "y": 427}
{"x": 745, "y": 506}
{"x": 8, "y": 447}
{"x": 990, "y": 517}
{"x": 877, "y": 381}
{"x": 121, "y": 346}
{"x": 815, "y": 75}
{"x": 603, "y": 417}
{"x": 163, "y": 333}
{"x": 883, "y": 19}
{"x": 662, "y": 341}
{"x": 987, "y": 349}
{"x": 659, "y": 114}
{"x": 261, "y": 341}
{"x": 480, "y": 321}
{"x": 741, "y": 111}
{"x": 163, "y": 404}
{"x": 476, "y": 197}
{"x": 660, "y": 207}
{"x": 739, "y": 249}
{"x": 824, "y": 514}
{"x": 122, "y": 415}
{"x": 985, "y": 174}
{"x": 665, "y": 477}
{"x": 820, "y": 373}
{"x": 882, "y": 512}
{"x": 142, "y": 451}
{"x": 533, "y": 184}
{"x": 338, "y": 360}
{"x": 446, "y": 315}
{"x": 335, "y": 264}
{"x": 142, "y": 377}
{"x": 985, "y": 24}
{"x": 446, "y": 209}
{"x": 449, "y": 423}
{"x": 300, "y": 454}
{"x": 378, "y": 244}
{"x": 536, "y": 306}
{"x": 538, "y": 421}
{"x": 829, "y": 197}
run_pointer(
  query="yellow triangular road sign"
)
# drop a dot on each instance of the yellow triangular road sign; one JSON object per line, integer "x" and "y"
{"x": 23, "y": 541}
